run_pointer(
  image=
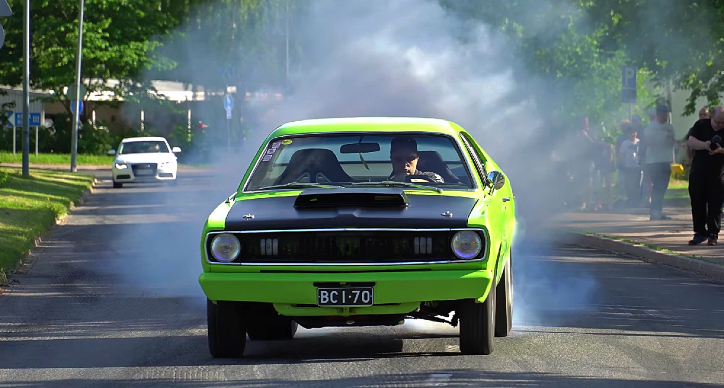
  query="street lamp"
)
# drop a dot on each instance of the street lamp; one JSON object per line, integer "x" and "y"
{"x": 26, "y": 91}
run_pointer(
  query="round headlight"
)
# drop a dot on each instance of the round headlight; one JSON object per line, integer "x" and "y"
{"x": 466, "y": 244}
{"x": 225, "y": 247}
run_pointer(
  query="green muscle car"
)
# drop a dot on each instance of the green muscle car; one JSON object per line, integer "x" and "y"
{"x": 361, "y": 222}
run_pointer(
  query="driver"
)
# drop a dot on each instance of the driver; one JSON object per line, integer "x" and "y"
{"x": 404, "y": 157}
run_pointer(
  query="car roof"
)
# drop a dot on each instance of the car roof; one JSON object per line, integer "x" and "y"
{"x": 146, "y": 138}
{"x": 371, "y": 124}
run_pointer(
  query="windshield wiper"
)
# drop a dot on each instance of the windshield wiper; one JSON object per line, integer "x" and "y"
{"x": 299, "y": 185}
{"x": 395, "y": 183}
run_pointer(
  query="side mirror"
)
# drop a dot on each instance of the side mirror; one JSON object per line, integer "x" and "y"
{"x": 112, "y": 152}
{"x": 496, "y": 179}
{"x": 175, "y": 150}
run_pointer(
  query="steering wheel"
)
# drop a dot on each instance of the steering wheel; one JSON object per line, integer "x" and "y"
{"x": 417, "y": 178}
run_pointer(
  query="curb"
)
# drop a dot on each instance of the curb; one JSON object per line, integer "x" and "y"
{"x": 713, "y": 271}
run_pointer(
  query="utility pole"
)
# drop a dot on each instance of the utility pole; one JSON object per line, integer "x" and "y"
{"x": 286, "y": 34}
{"x": 26, "y": 91}
{"x": 77, "y": 96}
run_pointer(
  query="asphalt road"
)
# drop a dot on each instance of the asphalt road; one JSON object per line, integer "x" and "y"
{"x": 111, "y": 299}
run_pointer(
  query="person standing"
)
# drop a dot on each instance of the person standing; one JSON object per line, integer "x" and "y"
{"x": 626, "y": 128}
{"x": 706, "y": 179}
{"x": 659, "y": 140}
{"x": 703, "y": 115}
{"x": 630, "y": 168}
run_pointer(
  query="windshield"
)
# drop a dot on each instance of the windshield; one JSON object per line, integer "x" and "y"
{"x": 358, "y": 160}
{"x": 142, "y": 147}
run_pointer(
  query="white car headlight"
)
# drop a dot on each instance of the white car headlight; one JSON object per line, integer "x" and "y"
{"x": 225, "y": 247}
{"x": 466, "y": 244}
{"x": 121, "y": 166}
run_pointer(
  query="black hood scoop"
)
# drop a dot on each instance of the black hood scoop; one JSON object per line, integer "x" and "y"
{"x": 336, "y": 198}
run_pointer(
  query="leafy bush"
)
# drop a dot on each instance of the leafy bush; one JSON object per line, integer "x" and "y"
{"x": 3, "y": 178}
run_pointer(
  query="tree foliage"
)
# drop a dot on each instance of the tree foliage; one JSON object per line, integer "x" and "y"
{"x": 577, "y": 41}
{"x": 570, "y": 64}
{"x": 118, "y": 42}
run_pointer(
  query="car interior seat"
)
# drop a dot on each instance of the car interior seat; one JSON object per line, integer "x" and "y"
{"x": 315, "y": 165}
{"x": 431, "y": 161}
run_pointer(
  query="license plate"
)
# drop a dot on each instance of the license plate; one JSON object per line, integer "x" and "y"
{"x": 140, "y": 172}
{"x": 345, "y": 296}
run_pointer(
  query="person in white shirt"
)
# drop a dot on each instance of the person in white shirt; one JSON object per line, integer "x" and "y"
{"x": 659, "y": 142}
{"x": 630, "y": 168}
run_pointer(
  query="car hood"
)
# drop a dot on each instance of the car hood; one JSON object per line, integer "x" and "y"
{"x": 146, "y": 158}
{"x": 350, "y": 209}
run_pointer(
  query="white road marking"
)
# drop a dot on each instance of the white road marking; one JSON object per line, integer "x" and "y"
{"x": 438, "y": 379}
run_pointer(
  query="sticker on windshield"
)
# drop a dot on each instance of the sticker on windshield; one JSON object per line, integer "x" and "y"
{"x": 271, "y": 151}
{"x": 286, "y": 141}
{"x": 266, "y": 158}
{"x": 276, "y": 144}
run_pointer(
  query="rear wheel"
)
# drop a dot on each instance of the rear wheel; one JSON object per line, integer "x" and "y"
{"x": 504, "y": 301}
{"x": 226, "y": 329}
{"x": 477, "y": 325}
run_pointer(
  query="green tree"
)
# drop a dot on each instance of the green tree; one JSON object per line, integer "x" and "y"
{"x": 576, "y": 67}
{"x": 119, "y": 43}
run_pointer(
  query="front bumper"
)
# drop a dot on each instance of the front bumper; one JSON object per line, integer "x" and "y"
{"x": 295, "y": 294}
{"x": 128, "y": 175}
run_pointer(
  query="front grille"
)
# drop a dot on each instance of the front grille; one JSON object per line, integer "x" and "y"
{"x": 373, "y": 247}
{"x": 144, "y": 169}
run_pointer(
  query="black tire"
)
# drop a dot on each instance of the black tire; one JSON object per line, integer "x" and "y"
{"x": 226, "y": 329}
{"x": 272, "y": 328}
{"x": 504, "y": 301}
{"x": 477, "y": 325}
{"x": 117, "y": 185}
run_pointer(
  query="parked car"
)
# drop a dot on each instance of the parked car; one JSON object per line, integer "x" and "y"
{"x": 144, "y": 159}
{"x": 361, "y": 222}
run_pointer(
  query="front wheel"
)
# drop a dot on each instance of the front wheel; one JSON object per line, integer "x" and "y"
{"x": 117, "y": 185}
{"x": 477, "y": 325}
{"x": 226, "y": 329}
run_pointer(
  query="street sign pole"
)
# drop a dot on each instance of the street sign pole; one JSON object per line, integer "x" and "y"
{"x": 15, "y": 140}
{"x": 77, "y": 96}
{"x": 228, "y": 106}
{"x": 26, "y": 91}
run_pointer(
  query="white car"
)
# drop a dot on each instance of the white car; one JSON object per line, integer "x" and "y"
{"x": 144, "y": 159}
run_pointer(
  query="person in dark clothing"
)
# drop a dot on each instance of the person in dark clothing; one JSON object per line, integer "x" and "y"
{"x": 706, "y": 179}
{"x": 404, "y": 157}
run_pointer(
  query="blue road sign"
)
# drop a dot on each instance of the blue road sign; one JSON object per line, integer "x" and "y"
{"x": 10, "y": 118}
{"x": 628, "y": 84}
{"x": 628, "y": 77}
{"x": 72, "y": 107}
{"x": 227, "y": 73}
{"x": 5, "y": 11}
{"x": 34, "y": 119}
{"x": 228, "y": 102}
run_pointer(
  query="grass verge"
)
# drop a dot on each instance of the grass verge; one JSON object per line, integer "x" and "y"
{"x": 30, "y": 206}
{"x": 64, "y": 160}
{"x": 57, "y": 159}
